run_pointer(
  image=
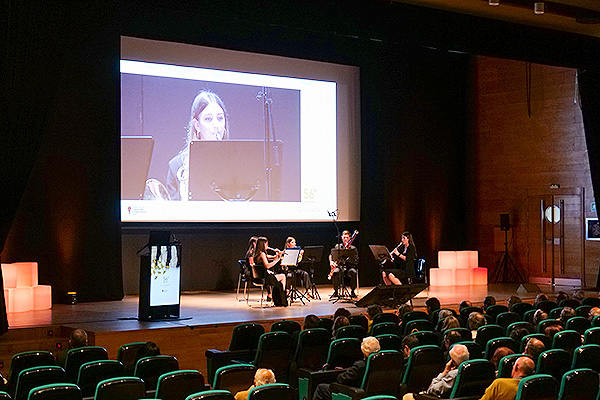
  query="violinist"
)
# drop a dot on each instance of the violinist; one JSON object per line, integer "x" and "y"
{"x": 349, "y": 265}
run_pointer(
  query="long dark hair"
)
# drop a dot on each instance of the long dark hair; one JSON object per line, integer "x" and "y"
{"x": 261, "y": 246}
{"x": 411, "y": 241}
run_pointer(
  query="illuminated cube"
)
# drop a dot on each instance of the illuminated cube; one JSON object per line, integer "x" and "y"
{"x": 27, "y": 273}
{"x": 447, "y": 259}
{"x": 9, "y": 275}
{"x": 479, "y": 276}
{"x": 473, "y": 256}
{"x": 20, "y": 299}
{"x": 42, "y": 297}
{"x": 462, "y": 276}
{"x": 441, "y": 277}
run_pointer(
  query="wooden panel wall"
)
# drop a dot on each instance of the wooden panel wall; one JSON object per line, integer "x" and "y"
{"x": 514, "y": 154}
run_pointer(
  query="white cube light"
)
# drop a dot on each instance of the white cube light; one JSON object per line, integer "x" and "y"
{"x": 446, "y": 259}
{"x": 9, "y": 275}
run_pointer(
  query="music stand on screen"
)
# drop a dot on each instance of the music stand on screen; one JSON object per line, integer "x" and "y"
{"x": 136, "y": 153}
{"x": 231, "y": 170}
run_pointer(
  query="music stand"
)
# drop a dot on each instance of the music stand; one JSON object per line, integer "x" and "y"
{"x": 341, "y": 256}
{"x": 312, "y": 255}
{"x": 382, "y": 255}
{"x": 290, "y": 260}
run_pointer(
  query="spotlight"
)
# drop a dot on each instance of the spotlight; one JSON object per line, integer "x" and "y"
{"x": 538, "y": 8}
{"x": 494, "y": 2}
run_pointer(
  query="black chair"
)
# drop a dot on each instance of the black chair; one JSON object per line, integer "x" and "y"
{"x": 5, "y": 396}
{"x": 435, "y": 316}
{"x": 360, "y": 320}
{"x": 24, "y": 360}
{"x": 475, "y": 350}
{"x": 519, "y": 324}
{"x": 528, "y": 316}
{"x": 495, "y": 310}
{"x": 389, "y": 342}
{"x": 555, "y": 313}
{"x": 326, "y": 323}
{"x": 57, "y": 391}
{"x": 178, "y": 385}
{"x": 350, "y": 331}
{"x": 125, "y": 388}
{"x": 212, "y": 395}
{"x": 521, "y": 308}
{"x": 424, "y": 363}
{"x": 385, "y": 328}
{"x": 152, "y": 367}
{"x": 546, "y": 306}
{"x": 578, "y": 324}
{"x": 596, "y": 321}
{"x": 567, "y": 340}
{"x": 591, "y": 301}
{"x": 465, "y": 334}
{"x": 493, "y": 344}
{"x": 426, "y": 337}
{"x": 573, "y": 303}
{"x": 313, "y": 346}
{"x": 259, "y": 282}
{"x": 473, "y": 377}
{"x": 275, "y": 352}
{"x": 537, "y": 387}
{"x": 242, "y": 347}
{"x": 234, "y": 378}
{"x": 127, "y": 354}
{"x": 94, "y": 372}
{"x": 343, "y": 353}
{"x": 583, "y": 311}
{"x": 382, "y": 376}
{"x": 279, "y": 391}
{"x": 384, "y": 317}
{"x": 548, "y": 322}
{"x": 505, "y": 319}
{"x": 592, "y": 336}
{"x": 79, "y": 356}
{"x": 587, "y": 356}
{"x": 488, "y": 332}
{"x": 545, "y": 339}
{"x": 37, "y": 376}
{"x": 413, "y": 315}
{"x": 244, "y": 276}
{"x": 418, "y": 325}
{"x": 506, "y": 364}
{"x": 288, "y": 326}
{"x": 579, "y": 384}
{"x": 554, "y": 362}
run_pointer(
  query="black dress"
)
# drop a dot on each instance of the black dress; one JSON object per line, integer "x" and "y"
{"x": 406, "y": 268}
{"x": 279, "y": 297}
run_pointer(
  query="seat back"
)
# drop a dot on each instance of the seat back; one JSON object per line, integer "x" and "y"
{"x": 94, "y": 372}
{"x": 246, "y": 336}
{"x": 591, "y": 301}
{"x": 350, "y": 331}
{"x": 473, "y": 377}
{"x": 554, "y": 362}
{"x": 234, "y": 378}
{"x": 583, "y": 311}
{"x": 385, "y": 328}
{"x": 418, "y": 325}
{"x": 288, "y": 326}
{"x": 573, "y": 303}
{"x": 596, "y": 321}
{"x": 495, "y": 310}
{"x": 521, "y": 308}
{"x": 383, "y": 373}
{"x": 507, "y": 318}
{"x": 24, "y": 360}
{"x": 413, "y": 315}
{"x": 343, "y": 353}
{"x": 579, "y": 324}
{"x": 546, "y": 306}
{"x": 488, "y": 332}
{"x": 275, "y": 352}
{"x": 77, "y": 357}
{"x": 537, "y": 387}
{"x": 212, "y": 395}
{"x": 465, "y": 334}
{"x": 567, "y": 340}
{"x": 279, "y": 391}
{"x": 178, "y": 385}
{"x": 466, "y": 311}
{"x": 506, "y": 364}
{"x": 312, "y": 348}
{"x": 587, "y": 356}
{"x": 326, "y": 323}
{"x": 475, "y": 350}
{"x": 494, "y": 344}
{"x": 57, "y": 391}
{"x": 152, "y": 367}
{"x": 519, "y": 324}
{"x": 555, "y": 313}
{"x": 424, "y": 363}
{"x": 592, "y": 336}
{"x": 425, "y": 337}
{"x": 124, "y": 388}
{"x": 360, "y": 320}
{"x": 37, "y": 376}
{"x": 127, "y": 354}
{"x": 542, "y": 325}
{"x": 389, "y": 342}
{"x": 385, "y": 317}
{"x": 579, "y": 384}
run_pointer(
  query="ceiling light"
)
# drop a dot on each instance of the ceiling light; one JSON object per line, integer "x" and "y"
{"x": 538, "y": 8}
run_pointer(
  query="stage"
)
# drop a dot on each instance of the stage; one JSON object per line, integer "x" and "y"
{"x": 206, "y": 320}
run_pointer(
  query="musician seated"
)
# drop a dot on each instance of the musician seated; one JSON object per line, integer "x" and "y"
{"x": 406, "y": 254}
{"x": 298, "y": 274}
{"x": 348, "y": 264}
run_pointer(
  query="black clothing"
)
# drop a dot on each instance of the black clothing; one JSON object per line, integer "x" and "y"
{"x": 279, "y": 297}
{"x": 353, "y": 376}
{"x": 407, "y": 266}
{"x": 350, "y": 266}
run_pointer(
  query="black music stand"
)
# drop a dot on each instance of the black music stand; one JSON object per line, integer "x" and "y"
{"x": 312, "y": 255}
{"x": 382, "y": 255}
{"x": 341, "y": 256}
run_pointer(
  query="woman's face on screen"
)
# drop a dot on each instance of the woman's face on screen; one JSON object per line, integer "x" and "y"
{"x": 210, "y": 124}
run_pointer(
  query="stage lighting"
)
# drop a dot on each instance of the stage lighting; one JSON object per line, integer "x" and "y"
{"x": 539, "y": 8}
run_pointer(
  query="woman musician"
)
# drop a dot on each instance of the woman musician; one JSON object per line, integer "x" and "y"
{"x": 407, "y": 254}
{"x": 264, "y": 269}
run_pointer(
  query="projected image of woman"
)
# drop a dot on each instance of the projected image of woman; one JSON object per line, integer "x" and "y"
{"x": 406, "y": 253}
{"x": 208, "y": 121}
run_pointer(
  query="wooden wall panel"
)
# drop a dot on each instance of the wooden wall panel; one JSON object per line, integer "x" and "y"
{"x": 513, "y": 154}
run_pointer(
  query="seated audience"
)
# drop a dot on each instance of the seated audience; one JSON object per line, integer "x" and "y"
{"x": 403, "y": 309}
{"x": 338, "y": 323}
{"x": 560, "y": 296}
{"x": 512, "y": 301}
{"x": 565, "y": 314}
{"x": 372, "y": 311}
{"x": 442, "y": 384}
{"x": 464, "y": 304}
{"x": 341, "y": 312}
{"x": 579, "y": 295}
{"x": 534, "y": 348}
{"x": 149, "y": 349}
{"x": 450, "y": 337}
{"x": 311, "y": 321}
{"x": 488, "y": 301}
{"x": 432, "y": 304}
{"x": 408, "y": 343}
{"x": 552, "y": 330}
{"x": 475, "y": 321}
{"x": 441, "y": 317}
{"x": 450, "y": 322}
{"x": 538, "y": 316}
{"x": 540, "y": 297}
{"x": 498, "y": 354}
{"x": 594, "y": 312}
{"x": 78, "y": 338}
{"x": 506, "y": 388}
{"x": 262, "y": 376}
{"x": 518, "y": 332}
{"x": 352, "y": 376}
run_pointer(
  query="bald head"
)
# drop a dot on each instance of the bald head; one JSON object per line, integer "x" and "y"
{"x": 534, "y": 348}
{"x": 524, "y": 366}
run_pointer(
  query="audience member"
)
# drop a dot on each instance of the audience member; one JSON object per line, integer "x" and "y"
{"x": 372, "y": 311}
{"x": 464, "y": 304}
{"x": 552, "y": 330}
{"x": 565, "y": 314}
{"x": 579, "y": 295}
{"x": 431, "y": 305}
{"x": 534, "y": 348}
{"x": 262, "y": 376}
{"x": 499, "y": 354}
{"x": 475, "y": 321}
{"x": 341, "y": 312}
{"x": 408, "y": 343}
{"x": 442, "y": 384}
{"x": 149, "y": 349}
{"x": 352, "y": 376}
{"x": 488, "y": 301}
{"x": 311, "y": 321}
{"x": 506, "y": 388}
{"x": 538, "y": 316}
{"x": 512, "y": 301}
{"x": 594, "y": 312}
{"x": 450, "y": 337}
{"x": 560, "y": 296}
{"x": 403, "y": 309}
{"x": 442, "y": 314}
{"x": 540, "y": 297}
{"x": 450, "y": 322}
{"x": 338, "y": 323}
{"x": 518, "y": 332}
{"x": 77, "y": 339}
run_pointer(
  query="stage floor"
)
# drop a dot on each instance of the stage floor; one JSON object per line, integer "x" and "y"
{"x": 210, "y": 308}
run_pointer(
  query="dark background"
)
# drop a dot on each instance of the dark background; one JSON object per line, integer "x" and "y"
{"x": 60, "y": 162}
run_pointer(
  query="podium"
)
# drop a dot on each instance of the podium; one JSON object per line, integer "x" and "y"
{"x": 160, "y": 272}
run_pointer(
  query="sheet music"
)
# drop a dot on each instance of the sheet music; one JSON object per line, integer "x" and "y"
{"x": 290, "y": 257}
